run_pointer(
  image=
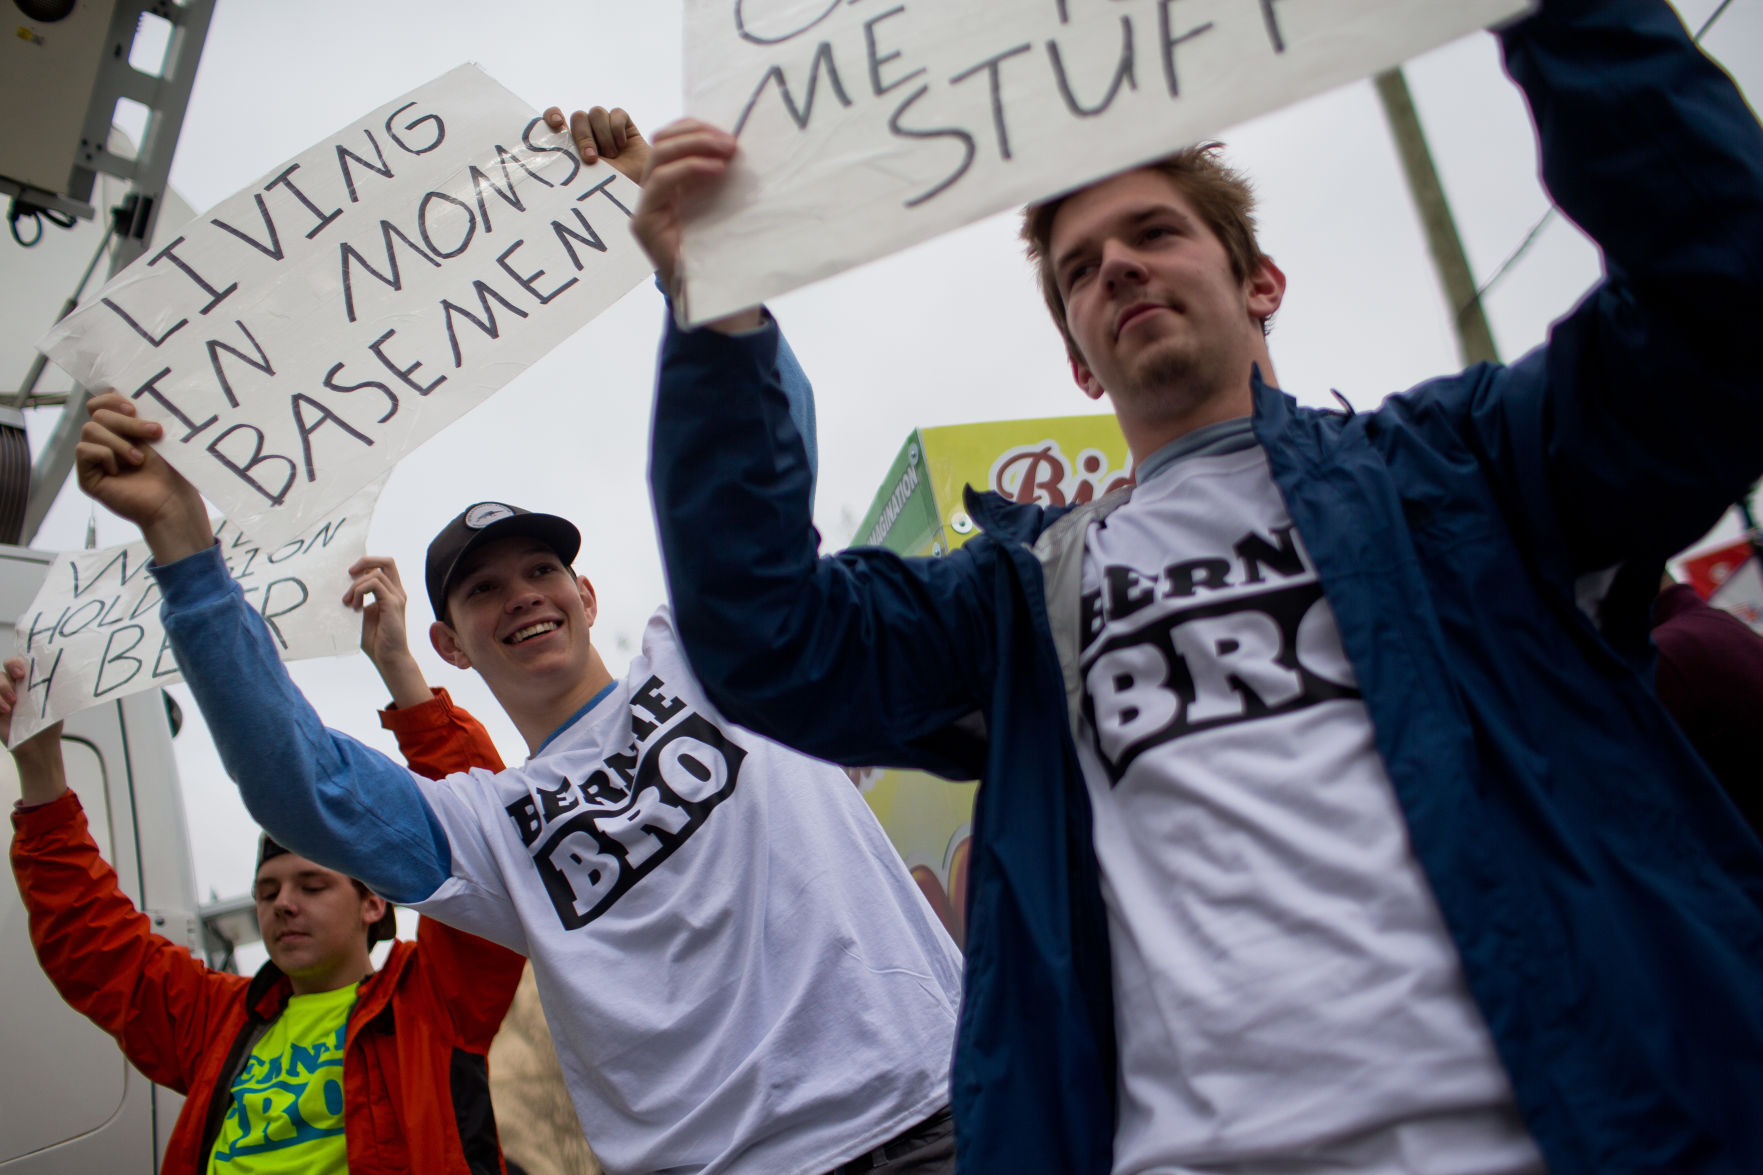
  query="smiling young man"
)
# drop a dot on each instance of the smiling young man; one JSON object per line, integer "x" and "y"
{"x": 739, "y": 973}
{"x": 318, "y": 1065}
{"x": 1321, "y": 829}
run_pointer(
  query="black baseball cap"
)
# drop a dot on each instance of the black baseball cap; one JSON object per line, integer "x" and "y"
{"x": 485, "y": 523}
{"x": 384, "y": 930}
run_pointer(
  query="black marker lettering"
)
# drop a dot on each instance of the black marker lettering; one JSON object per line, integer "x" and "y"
{"x": 344, "y": 155}
{"x": 47, "y": 684}
{"x": 274, "y": 249}
{"x": 215, "y": 347}
{"x": 1271, "y": 19}
{"x": 800, "y": 114}
{"x": 271, "y": 613}
{"x": 1170, "y": 41}
{"x": 330, "y": 381}
{"x": 990, "y": 65}
{"x": 215, "y": 297}
{"x": 529, "y": 283}
{"x": 258, "y": 457}
{"x": 748, "y": 34}
{"x": 422, "y": 223}
{"x": 112, "y": 610}
{"x": 395, "y": 280}
{"x": 151, "y": 388}
{"x": 1123, "y": 73}
{"x": 968, "y": 147}
{"x": 479, "y": 180}
{"x": 285, "y": 552}
{"x": 141, "y": 330}
{"x": 122, "y": 557}
{"x": 877, "y": 59}
{"x": 440, "y": 130}
{"x": 113, "y": 655}
{"x": 505, "y": 156}
{"x": 37, "y": 630}
{"x": 70, "y": 628}
{"x": 322, "y": 537}
{"x": 325, "y": 415}
{"x": 604, "y": 188}
{"x": 487, "y": 323}
{"x": 403, "y": 373}
{"x": 324, "y": 218}
{"x": 565, "y": 234}
{"x": 159, "y": 667}
{"x": 149, "y": 599}
{"x": 565, "y": 153}
{"x": 250, "y": 558}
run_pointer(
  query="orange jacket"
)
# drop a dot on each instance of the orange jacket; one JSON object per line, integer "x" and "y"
{"x": 415, "y": 1081}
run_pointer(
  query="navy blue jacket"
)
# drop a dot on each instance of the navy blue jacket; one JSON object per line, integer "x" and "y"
{"x": 1605, "y": 898}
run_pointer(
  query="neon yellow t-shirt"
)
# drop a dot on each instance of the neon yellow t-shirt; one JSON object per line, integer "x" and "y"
{"x": 287, "y": 1111}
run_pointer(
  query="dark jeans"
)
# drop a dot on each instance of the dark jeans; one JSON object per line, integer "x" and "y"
{"x": 926, "y": 1149}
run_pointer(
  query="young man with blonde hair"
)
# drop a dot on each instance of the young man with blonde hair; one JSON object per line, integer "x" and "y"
{"x": 1320, "y": 828}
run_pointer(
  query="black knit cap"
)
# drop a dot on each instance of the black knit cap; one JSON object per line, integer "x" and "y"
{"x": 485, "y": 523}
{"x": 384, "y": 930}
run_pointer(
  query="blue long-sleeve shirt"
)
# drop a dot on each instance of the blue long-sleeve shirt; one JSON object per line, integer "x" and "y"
{"x": 321, "y": 793}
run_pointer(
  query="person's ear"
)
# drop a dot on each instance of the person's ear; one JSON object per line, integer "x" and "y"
{"x": 1266, "y": 289}
{"x": 1086, "y": 379}
{"x": 373, "y": 908}
{"x": 446, "y": 643}
{"x": 590, "y": 603}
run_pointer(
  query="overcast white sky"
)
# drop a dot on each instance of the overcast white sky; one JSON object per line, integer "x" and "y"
{"x": 948, "y": 332}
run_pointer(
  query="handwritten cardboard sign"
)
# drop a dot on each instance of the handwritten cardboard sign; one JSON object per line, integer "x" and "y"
{"x": 868, "y": 127}
{"x": 303, "y": 335}
{"x": 93, "y": 635}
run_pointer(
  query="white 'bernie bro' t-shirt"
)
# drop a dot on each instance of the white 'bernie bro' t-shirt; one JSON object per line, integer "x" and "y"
{"x": 1287, "y": 998}
{"x": 739, "y": 973}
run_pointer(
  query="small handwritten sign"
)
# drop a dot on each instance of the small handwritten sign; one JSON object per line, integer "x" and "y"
{"x": 93, "y": 634}
{"x": 302, "y": 336}
{"x": 869, "y": 126}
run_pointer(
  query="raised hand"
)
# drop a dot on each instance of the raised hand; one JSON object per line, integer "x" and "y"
{"x": 41, "y": 775}
{"x": 608, "y": 134}
{"x": 117, "y": 466}
{"x": 688, "y": 163}
{"x": 377, "y": 592}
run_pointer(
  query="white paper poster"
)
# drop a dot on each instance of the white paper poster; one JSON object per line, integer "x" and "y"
{"x": 93, "y": 635}
{"x": 868, "y": 127}
{"x": 302, "y": 336}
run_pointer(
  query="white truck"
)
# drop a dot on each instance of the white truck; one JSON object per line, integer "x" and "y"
{"x": 72, "y": 1105}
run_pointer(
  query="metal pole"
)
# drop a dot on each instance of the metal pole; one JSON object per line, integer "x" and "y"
{"x": 167, "y": 97}
{"x": 1475, "y": 341}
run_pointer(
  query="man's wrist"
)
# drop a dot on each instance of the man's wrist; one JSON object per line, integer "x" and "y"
{"x": 404, "y": 679}
{"x": 178, "y": 534}
{"x": 41, "y": 778}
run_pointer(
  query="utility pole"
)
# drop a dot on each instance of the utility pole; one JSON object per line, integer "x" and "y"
{"x": 1475, "y": 342}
